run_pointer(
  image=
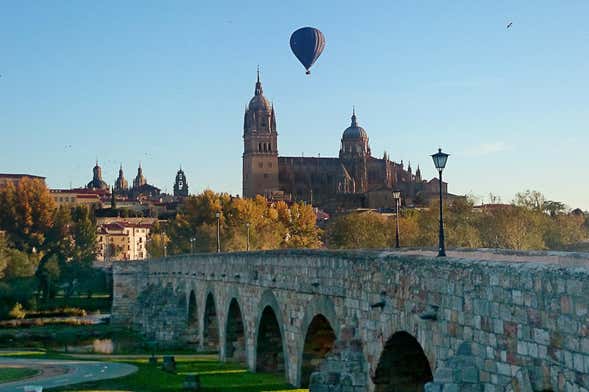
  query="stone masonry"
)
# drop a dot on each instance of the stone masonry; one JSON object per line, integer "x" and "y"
{"x": 480, "y": 320}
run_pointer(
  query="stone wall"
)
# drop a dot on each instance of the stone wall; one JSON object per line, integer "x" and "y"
{"x": 523, "y": 315}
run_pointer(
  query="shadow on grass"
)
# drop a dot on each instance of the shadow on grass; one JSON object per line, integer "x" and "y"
{"x": 214, "y": 377}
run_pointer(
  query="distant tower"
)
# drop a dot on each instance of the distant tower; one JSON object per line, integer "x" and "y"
{"x": 121, "y": 184}
{"x": 260, "y": 146}
{"x": 139, "y": 180}
{"x": 354, "y": 153}
{"x": 180, "y": 185}
{"x": 97, "y": 182}
{"x": 418, "y": 174}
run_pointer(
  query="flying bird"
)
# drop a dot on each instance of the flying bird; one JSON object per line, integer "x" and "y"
{"x": 509, "y": 25}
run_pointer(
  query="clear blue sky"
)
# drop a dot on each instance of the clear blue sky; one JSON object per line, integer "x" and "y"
{"x": 166, "y": 82}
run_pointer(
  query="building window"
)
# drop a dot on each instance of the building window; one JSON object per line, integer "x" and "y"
{"x": 261, "y": 165}
{"x": 266, "y": 175}
{"x": 269, "y": 164}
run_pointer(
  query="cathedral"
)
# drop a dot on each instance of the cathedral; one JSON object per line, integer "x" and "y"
{"x": 354, "y": 179}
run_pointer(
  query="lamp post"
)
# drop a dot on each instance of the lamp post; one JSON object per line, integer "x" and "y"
{"x": 165, "y": 244}
{"x": 218, "y": 216}
{"x": 192, "y": 244}
{"x": 397, "y": 198}
{"x": 440, "y": 159}
{"x": 248, "y": 237}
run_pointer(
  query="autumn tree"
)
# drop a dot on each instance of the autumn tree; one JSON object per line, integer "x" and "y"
{"x": 359, "y": 230}
{"x": 271, "y": 225}
{"x": 26, "y": 213}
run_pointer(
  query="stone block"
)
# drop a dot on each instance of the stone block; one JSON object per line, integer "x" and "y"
{"x": 433, "y": 387}
{"x": 541, "y": 336}
{"x": 444, "y": 375}
{"x": 504, "y": 369}
{"x": 470, "y": 375}
{"x": 452, "y": 388}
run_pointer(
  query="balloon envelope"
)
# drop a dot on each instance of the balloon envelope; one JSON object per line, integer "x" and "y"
{"x": 307, "y": 43}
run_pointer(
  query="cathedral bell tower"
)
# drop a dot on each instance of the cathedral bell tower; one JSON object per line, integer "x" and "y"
{"x": 260, "y": 148}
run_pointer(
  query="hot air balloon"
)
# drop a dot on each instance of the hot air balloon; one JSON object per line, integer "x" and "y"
{"x": 307, "y": 43}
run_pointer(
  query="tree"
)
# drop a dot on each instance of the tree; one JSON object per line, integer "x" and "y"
{"x": 358, "y": 231}
{"x": 554, "y": 208}
{"x": 26, "y": 213}
{"x": 48, "y": 275}
{"x": 562, "y": 231}
{"x": 512, "y": 227}
{"x": 58, "y": 238}
{"x": 531, "y": 200}
{"x": 271, "y": 225}
{"x": 84, "y": 235}
{"x": 462, "y": 224}
{"x": 300, "y": 222}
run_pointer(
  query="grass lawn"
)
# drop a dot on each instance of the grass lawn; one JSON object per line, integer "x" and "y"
{"x": 15, "y": 373}
{"x": 214, "y": 376}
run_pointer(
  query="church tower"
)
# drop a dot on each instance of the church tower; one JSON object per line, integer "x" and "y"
{"x": 354, "y": 153}
{"x": 180, "y": 185}
{"x": 260, "y": 146}
{"x": 139, "y": 180}
{"x": 121, "y": 184}
{"x": 97, "y": 182}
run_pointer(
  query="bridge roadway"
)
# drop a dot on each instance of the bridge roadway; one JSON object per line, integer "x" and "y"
{"x": 373, "y": 320}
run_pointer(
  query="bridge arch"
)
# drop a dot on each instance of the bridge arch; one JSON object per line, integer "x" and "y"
{"x": 192, "y": 319}
{"x": 270, "y": 354}
{"x": 403, "y": 365}
{"x": 319, "y": 331}
{"x": 210, "y": 330}
{"x": 235, "y": 335}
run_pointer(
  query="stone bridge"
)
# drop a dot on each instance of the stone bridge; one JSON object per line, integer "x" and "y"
{"x": 373, "y": 320}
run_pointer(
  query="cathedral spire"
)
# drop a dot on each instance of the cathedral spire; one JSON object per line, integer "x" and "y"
{"x": 354, "y": 120}
{"x": 259, "y": 90}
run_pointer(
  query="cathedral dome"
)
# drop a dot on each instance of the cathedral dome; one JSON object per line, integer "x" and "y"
{"x": 354, "y": 131}
{"x": 259, "y": 102}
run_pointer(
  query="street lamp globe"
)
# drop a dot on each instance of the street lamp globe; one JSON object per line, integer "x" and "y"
{"x": 440, "y": 159}
{"x": 396, "y": 195}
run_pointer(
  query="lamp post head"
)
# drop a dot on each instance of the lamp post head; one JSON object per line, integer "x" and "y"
{"x": 217, "y": 214}
{"x": 396, "y": 195}
{"x": 440, "y": 159}
{"x": 247, "y": 225}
